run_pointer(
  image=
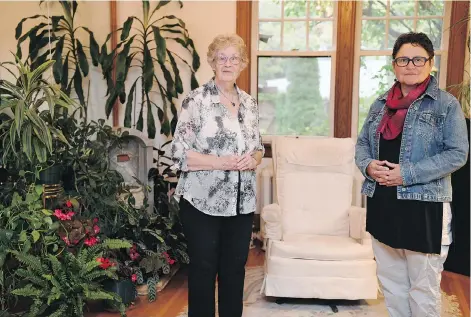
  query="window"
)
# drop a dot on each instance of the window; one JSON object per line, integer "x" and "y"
{"x": 293, "y": 59}
{"x": 379, "y": 23}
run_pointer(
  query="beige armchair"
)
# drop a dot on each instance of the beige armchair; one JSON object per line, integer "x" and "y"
{"x": 317, "y": 244}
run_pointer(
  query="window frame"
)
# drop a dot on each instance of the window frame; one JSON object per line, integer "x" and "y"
{"x": 255, "y": 53}
{"x": 455, "y": 71}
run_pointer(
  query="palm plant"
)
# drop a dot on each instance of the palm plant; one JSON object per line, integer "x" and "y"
{"x": 71, "y": 64}
{"x": 148, "y": 50}
{"x": 24, "y": 128}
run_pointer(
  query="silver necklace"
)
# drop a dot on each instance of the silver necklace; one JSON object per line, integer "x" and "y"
{"x": 230, "y": 100}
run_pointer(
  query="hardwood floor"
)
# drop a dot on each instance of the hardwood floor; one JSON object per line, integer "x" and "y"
{"x": 173, "y": 298}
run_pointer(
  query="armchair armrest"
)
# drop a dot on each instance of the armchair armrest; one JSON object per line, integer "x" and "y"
{"x": 357, "y": 218}
{"x": 271, "y": 215}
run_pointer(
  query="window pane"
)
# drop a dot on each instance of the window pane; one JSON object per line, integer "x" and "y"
{"x": 269, "y": 36}
{"x": 321, "y": 9}
{"x": 320, "y": 35}
{"x": 372, "y": 34}
{"x": 294, "y": 95}
{"x": 396, "y": 28}
{"x": 435, "y": 7}
{"x": 433, "y": 28}
{"x": 374, "y": 8}
{"x": 269, "y": 9}
{"x": 294, "y": 36}
{"x": 295, "y": 9}
{"x": 376, "y": 77}
{"x": 402, "y": 8}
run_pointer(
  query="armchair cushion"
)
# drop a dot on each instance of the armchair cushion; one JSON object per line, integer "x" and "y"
{"x": 271, "y": 215}
{"x": 320, "y": 247}
{"x": 357, "y": 218}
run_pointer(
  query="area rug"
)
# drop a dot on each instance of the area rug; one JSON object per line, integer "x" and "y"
{"x": 257, "y": 305}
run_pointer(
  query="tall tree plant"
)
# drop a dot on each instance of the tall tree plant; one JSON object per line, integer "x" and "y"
{"x": 147, "y": 48}
{"x": 59, "y": 35}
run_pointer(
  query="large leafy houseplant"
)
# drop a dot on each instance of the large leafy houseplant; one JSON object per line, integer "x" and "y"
{"x": 71, "y": 64}
{"x": 148, "y": 49}
{"x": 25, "y": 104}
{"x": 24, "y": 226}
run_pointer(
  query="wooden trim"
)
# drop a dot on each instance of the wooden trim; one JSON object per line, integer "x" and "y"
{"x": 244, "y": 30}
{"x": 344, "y": 70}
{"x": 114, "y": 43}
{"x": 457, "y": 45}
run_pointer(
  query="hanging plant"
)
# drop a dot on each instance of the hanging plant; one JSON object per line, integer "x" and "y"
{"x": 148, "y": 50}
{"x": 61, "y": 39}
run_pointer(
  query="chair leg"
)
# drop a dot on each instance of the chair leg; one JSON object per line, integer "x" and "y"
{"x": 334, "y": 308}
{"x": 280, "y": 300}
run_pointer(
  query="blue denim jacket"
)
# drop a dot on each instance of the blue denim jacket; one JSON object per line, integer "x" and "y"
{"x": 434, "y": 144}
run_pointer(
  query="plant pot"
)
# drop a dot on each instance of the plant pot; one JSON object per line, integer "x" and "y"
{"x": 68, "y": 178}
{"x": 124, "y": 288}
{"x": 51, "y": 175}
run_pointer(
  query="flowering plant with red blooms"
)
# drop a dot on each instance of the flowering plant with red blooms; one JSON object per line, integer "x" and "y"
{"x": 75, "y": 230}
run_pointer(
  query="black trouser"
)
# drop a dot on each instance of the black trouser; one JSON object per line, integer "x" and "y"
{"x": 216, "y": 246}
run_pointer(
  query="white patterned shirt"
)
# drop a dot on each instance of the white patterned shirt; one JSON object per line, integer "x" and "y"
{"x": 206, "y": 126}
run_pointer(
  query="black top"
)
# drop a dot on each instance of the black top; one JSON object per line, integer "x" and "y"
{"x": 403, "y": 224}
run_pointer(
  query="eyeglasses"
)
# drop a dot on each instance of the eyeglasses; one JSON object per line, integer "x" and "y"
{"x": 222, "y": 59}
{"x": 418, "y": 61}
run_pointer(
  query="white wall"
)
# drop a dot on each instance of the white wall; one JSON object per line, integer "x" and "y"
{"x": 204, "y": 20}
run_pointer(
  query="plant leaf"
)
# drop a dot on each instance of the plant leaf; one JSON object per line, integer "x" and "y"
{"x": 78, "y": 86}
{"x": 148, "y": 71}
{"x": 126, "y": 28}
{"x": 82, "y": 59}
{"x": 140, "y": 121}
{"x": 57, "y": 69}
{"x": 26, "y": 141}
{"x": 94, "y": 48}
{"x": 150, "y": 119}
{"x": 161, "y": 45}
{"x": 65, "y": 73}
{"x": 129, "y": 105}
{"x": 178, "y": 80}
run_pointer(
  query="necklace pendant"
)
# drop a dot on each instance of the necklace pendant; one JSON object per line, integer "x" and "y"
{"x": 233, "y": 104}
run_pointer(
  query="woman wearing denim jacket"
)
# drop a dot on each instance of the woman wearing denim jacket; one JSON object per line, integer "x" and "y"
{"x": 413, "y": 138}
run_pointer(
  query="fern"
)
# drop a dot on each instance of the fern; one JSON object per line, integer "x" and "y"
{"x": 60, "y": 312}
{"x": 103, "y": 273}
{"x": 61, "y": 286}
{"x": 30, "y": 277}
{"x": 30, "y": 261}
{"x": 27, "y": 291}
{"x": 96, "y": 295}
{"x": 116, "y": 244}
{"x": 90, "y": 266}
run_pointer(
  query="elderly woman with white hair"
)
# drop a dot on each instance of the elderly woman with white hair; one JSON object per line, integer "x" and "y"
{"x": 217, "y": 146}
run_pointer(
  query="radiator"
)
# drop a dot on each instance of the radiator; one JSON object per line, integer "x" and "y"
{"x": 265, "y": 185}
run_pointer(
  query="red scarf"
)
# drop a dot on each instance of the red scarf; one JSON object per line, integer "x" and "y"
{"x": 397, "y": 106}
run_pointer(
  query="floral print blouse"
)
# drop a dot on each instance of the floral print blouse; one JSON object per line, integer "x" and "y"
{"x": 206, "y": 126}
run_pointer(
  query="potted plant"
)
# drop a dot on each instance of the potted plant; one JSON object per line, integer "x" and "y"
{"x": 65, "y": 38}
{"x": 26, "y": 132}
{"x": 61, "y": 285}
